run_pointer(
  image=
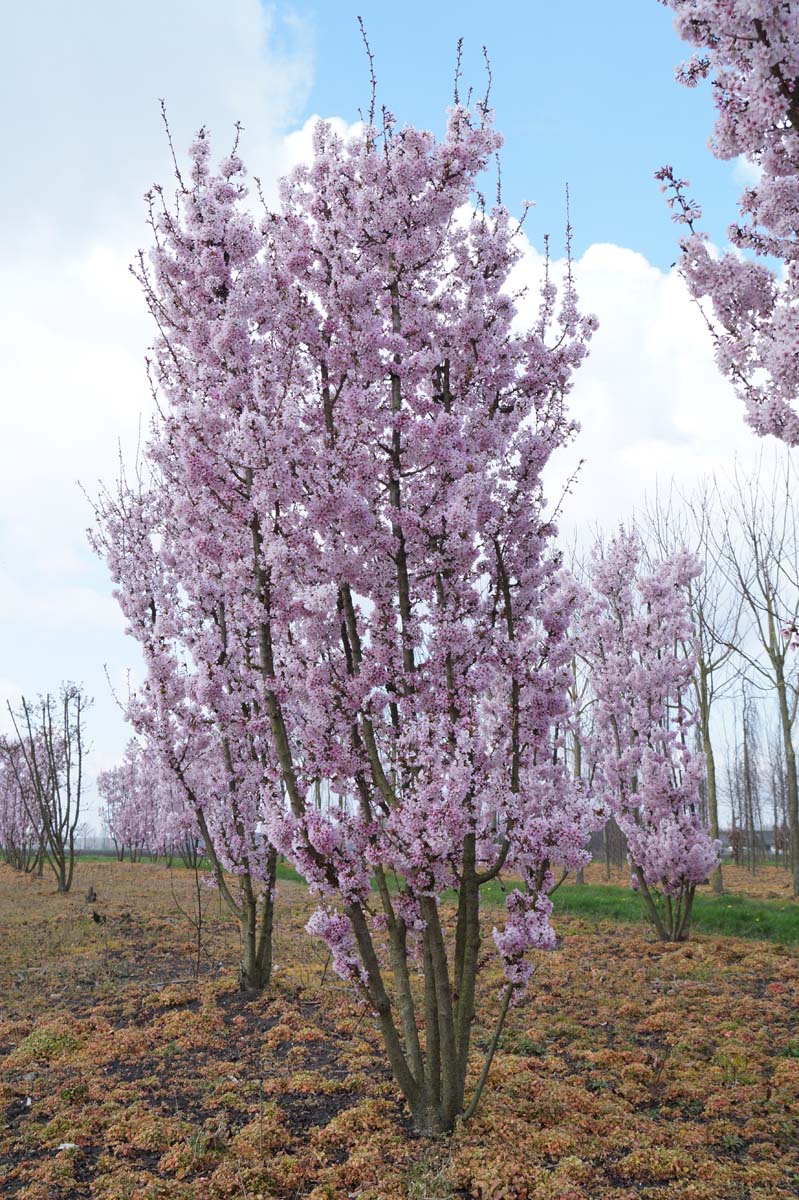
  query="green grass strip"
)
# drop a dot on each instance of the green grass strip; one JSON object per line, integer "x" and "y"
{"x": 730, "y": 915}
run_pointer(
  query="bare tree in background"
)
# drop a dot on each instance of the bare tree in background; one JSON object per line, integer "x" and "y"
{"x": 21, "y": 842}
{"x": 745, "y": 777}
{"x": 749, "y": 775}
{"x": 580, "y": 696}
{"x": 757, "y": 544}
{"x": 52, "y": 738}
{"x": 676, "y": 522}
{"x": 779, "y": 795}
{"x": 581, "y": 700}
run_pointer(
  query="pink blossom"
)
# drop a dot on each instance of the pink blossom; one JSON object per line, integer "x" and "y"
{"x": 750, "y": 51}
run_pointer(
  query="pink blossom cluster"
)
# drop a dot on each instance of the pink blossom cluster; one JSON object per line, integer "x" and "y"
{"x": 635, "y": 630}
{"x": 791, "y": 634}
{"x": 750, "y": 51}
{"x": 334, "y": 928}
{"x": 527, "y": 927}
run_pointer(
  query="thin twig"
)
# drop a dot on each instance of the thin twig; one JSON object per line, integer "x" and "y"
{"x": 372, "y": 77}
{"x": 492, "y": 1049}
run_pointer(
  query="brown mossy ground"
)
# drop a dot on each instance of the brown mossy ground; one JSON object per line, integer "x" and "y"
{"x": 632, "y": 1070}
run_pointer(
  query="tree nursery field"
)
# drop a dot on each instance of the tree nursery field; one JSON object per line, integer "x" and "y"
{"x": 632, "y": 1068}
{"x": 383, "y": 709}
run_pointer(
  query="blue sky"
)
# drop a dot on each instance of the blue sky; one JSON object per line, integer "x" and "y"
{"x": 584, "y": 93}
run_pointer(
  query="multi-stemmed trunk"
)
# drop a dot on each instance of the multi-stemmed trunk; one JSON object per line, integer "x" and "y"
{"x": 672, "y": 921}
{"x": 257, "y": 921}
{"x": 432, "y": 1075}
{"x": 253, "y": 909}
{"x": 433, "y": 1078}
{"x": 24, "y": 857}
{"x": 63, "y": 863}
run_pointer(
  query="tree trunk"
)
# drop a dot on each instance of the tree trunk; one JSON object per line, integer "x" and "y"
{"x": 61, "y": 868}
{"x": 256, "y": 952}
{"x": 716, "y": 879}
{"x": 793, "y": 812}
{"x": 254, "y": 912}
{"x": 654, "y": 915}
{"x": 792, "y": 790}
{"x": 578, "y": 775}
{"x": 251, "y": 974}
{"x": 683, "y": 930}
{"x": 257, "y": 920}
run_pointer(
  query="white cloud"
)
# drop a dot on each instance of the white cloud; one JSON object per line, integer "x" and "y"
{"x": 60, "y": 608}
{"x": 649, "y": 398}
{"x": 86, "y": 140}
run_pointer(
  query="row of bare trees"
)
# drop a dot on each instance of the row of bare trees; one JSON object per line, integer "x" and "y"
{"x": 745, "y": 529}
{"x": 757, "y": 789}
{"x": 42, "y": 783}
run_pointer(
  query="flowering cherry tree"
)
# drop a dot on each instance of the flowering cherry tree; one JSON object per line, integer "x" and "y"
{"x": 343, "y": 570}
{"x": 145, "y": 809}
{"x": 750, "y": 51}
{"x": 128, "y": 809}
{"x": 635, "y": 631}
